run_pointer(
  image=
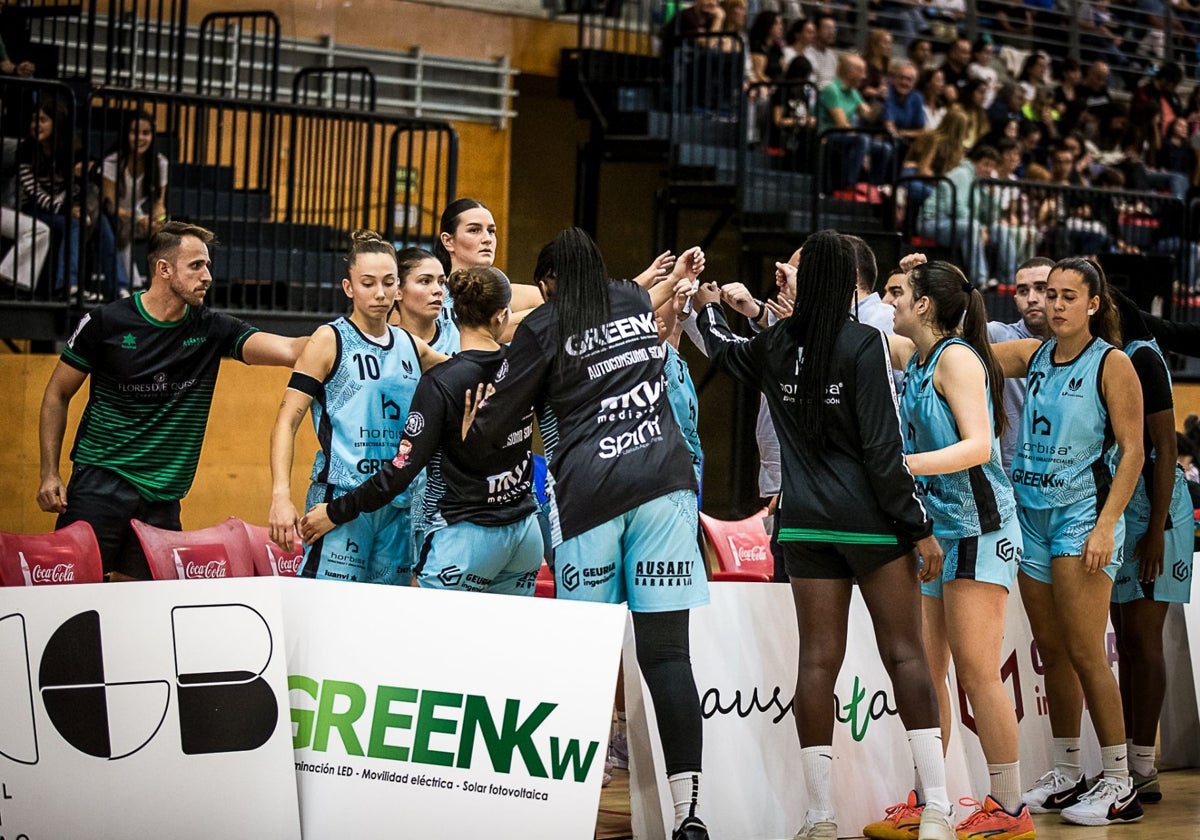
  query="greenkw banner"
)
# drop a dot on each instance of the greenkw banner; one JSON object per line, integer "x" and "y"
{"x": 429, "y": 714}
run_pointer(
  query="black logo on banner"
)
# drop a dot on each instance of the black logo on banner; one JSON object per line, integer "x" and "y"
{"x": 218, "y": 711}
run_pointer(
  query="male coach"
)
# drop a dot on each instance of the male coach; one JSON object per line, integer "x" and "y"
{"x": 153, "y": 359}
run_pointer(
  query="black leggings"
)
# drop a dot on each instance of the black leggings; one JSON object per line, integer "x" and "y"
{"x": 665, "y": 659}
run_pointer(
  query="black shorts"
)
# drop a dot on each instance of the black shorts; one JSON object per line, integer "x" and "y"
{"x": 832, "y": 560}
{"x": 107, "y": 502}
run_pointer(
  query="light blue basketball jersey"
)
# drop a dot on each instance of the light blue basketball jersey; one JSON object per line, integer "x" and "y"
{"x": 447, "y": 339}
{"x": 681, "y": 393}
{"x": 1138, "y": 509}
{"x": 359, "y": 416}
{"x": 1064, "y": 449}
{"x": 966, "y": 503}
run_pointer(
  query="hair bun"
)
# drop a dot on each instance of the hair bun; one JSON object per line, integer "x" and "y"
{"x": 365, "y": 235}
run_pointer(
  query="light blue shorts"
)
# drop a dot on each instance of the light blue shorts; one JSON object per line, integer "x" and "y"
{"x": 648, "y": 556}
{"x": 1174, "y": 585}
{"x": 374, "y": 547}
{"x": 989, "y": 558}
{"x": 503, "y": 559}
{"x": 1060, "y": 532}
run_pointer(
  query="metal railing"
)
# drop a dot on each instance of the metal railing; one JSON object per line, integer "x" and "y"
{"x": 238, "y": 55}
{"x": 335, "y": 87}
{"x": 122, "y": 43}
{"x": 281, "y": 185}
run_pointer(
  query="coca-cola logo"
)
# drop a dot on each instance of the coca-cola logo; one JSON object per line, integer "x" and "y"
{"x": 752, "y": 554}
{"x": 288, "y": 565}
{"x": 60, "y": 573}
{"x": 210, "y": 569}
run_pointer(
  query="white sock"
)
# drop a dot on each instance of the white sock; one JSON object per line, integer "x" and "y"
{"x": 1113, "y": 759}
{"x": 1005, "y": 781}
{"x": 1141, "y": 760}
{"x": 1066, "y": 757}
{"x": 685, "y": 793}
{"x": 926, "y": 746}
{"x": 817, "y": 764}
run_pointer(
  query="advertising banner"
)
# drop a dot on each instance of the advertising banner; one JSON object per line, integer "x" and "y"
{"x": 744, "y": 649}
{"x": 421, "y": 713}
{"x": 145, "y": 710}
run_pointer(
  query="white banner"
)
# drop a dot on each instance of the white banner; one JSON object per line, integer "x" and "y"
{"x": 744, "y": 650}
{"x": 442, "y": 714}
{"x": 145, "y": 710}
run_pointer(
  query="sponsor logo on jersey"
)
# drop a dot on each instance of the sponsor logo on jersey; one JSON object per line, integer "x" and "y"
{"x": 503, "y": 487}
{"x": 570, "y": 578}
{"x": 1075, "y": 383}
{"x": 1182, "y": 570}
{"x": 1041, "y": 424}
{"x": 639, "y": 401}
{"x": 389, "y": 407}
{"x": 600, "y": 575}
{"x": 128, "y": 342}
{"x": 1037, "y": 479}
{"x": 502, "y": 371}
{"x": 668, "y": 573}
{"x": 450, "y": 576}
{"x": 1008, "y": 551}
{"x": 195, "y": 340}
{"x": 415, "y": 424}
{"x": 78, "y": 329}
{"x": 615, "y": 446}
{"x": 612, "y": 334}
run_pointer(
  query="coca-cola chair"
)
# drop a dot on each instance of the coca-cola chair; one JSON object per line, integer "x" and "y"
{"x": 68, "y": 555}
{"x": 741, "y": 548}
{"x": 218, "y": 551}
{"x": 270, "y": 559}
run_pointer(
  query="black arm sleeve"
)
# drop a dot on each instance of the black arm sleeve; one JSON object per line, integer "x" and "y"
{"x": 1156, "y": 383}
{"x": 1174, "y": 336}
{"x": 420, "y": 442}
{"x": 518, "y": 386}
{"x": 882, "y": 445}
{"x": 731, "y": 353}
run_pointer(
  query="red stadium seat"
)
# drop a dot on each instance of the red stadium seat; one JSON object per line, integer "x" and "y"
{"x": 218, "y": 551}
{"x": 68, "y": 555}
{"x": 544, "y": 588}
{"x": 270, "y": 559}
{"x": 742, "y": 548}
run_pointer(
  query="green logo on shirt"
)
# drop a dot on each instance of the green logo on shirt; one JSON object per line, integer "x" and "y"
{"x": 128, "y": 342}
{"x": 191, "y": 342}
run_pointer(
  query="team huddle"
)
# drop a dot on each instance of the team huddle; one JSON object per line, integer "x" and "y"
{"x": 425, "y": 400}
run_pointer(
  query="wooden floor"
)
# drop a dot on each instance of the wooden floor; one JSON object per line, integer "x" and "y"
{"x": 1177, "y": 817}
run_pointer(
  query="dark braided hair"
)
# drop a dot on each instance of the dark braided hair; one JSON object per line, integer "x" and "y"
{"x": 956, "y": 302}
{"x": 825, "y": 283}
{"x": 581, "y": 289}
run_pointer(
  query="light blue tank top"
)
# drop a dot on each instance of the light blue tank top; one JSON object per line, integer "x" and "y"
{"x": 1139, "y": 503}
{"x": 966, "y": 503}
{"x": 359, "y": 417}
{"x": 447, "y": 339}
{"x": 1065, "y": 443}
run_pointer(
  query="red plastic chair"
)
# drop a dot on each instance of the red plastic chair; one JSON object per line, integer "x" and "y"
{"x": 218, "y": 551}
{"x": 742, "y": 548}
{"x": 270, "y": 559}
{"x": 544, "y": 588}
{"x": 68, "y": 555}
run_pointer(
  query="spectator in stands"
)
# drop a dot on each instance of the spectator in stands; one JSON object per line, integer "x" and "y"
{"x": 932, "y": 86}
{"x": 1010, "y": 98}
{"x": 21, "y": 69}
{"x": 839, "y": 105}
{"x": 53, "y": 190}
{"x": 1153, "y": 31}
{"x": 793, "y": 115}
{"x": 1029, "y": 136}
{"x": 822, "y": 55}
{"x": 1066, "y": 96}
{"x": 904, "y": 108}
{"x": 1009, "y": 214}
{"x": 1176, "y": 153}
{"x": 878, "y": 58}
{"x": 734, "y": 28}
{"x": 946, "y": 215}
{"x": 1094, "y": 97}
{"x": 135, "y": 189}
{"x": 766, "y": 48}
{"x": 24, "y": 259}
{"x": 1141, "y": 176}
{"x": 981, "y": 68}
{"x": 801, "y": 35}
{"x": 906, "y": 18}
{"x": 1041, "y": 110}
{"x": 946, "y": 18}
{"x": 1013, "y": 22}
{"x": 1100, "y": 33}
{"x": 155, "y": 358}
{"x": 1032, "y": 76}
{"x": 970, "y": 102}
{"x": 1155, "y": 104}
{"x": 1076, "y": 223}
{"x": 954, "y": 68}
{"x": 704, "y": 16}
{"x": 920, "y": 53}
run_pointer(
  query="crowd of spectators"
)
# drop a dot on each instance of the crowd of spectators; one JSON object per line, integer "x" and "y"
{"x": 998, "y": 108}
